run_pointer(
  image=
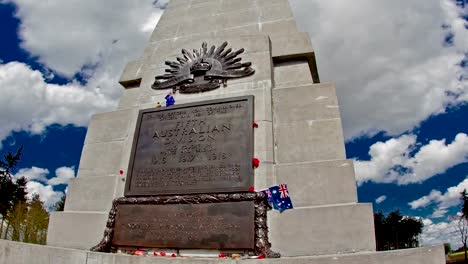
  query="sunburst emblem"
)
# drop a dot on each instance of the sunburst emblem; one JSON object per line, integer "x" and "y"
{"x": 203, "y": 70}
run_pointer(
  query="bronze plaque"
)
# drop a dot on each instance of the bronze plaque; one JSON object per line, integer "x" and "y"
{"x": 205, "y": 226}
{"x": 204, "y": 147}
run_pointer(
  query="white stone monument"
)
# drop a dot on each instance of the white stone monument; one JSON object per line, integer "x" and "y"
{"x": 299, "y": 140}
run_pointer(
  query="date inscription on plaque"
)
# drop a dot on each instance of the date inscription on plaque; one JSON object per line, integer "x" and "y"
{"x": 204, "y": 147}
{"x": 206, "y": 226}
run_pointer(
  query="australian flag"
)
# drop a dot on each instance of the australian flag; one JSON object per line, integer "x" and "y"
{"x": 279, "y": 198}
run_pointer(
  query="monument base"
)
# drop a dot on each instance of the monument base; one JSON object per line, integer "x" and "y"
{"x": 20, "y": 253}
{"x": 171, "y": 222}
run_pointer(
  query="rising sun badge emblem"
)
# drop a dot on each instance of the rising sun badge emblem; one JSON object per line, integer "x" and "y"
{"x": 203, "y": 70}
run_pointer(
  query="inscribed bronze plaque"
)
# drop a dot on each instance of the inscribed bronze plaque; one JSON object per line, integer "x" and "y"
{"x": 205, "y": 226}
{"x": 204, "y": 147}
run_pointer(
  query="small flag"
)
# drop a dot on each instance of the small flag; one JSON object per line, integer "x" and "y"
{"x": 268, "y": 195}
{"x": 280, "y": 198}
{"x": 169, "y": 99}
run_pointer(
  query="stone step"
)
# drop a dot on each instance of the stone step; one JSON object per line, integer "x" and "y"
{"x": 321, "y": 230}
{"x": 21, "y": 253}
{"x": 78, "y": 230}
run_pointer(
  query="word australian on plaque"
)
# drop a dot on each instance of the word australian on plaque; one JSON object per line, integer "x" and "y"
{"x": 203, "y": 147}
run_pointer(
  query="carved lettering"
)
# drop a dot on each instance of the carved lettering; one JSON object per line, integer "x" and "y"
{"x": 199, "y": 148}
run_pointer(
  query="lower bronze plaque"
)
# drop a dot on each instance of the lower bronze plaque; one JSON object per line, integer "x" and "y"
{"x": 206, "y": 226}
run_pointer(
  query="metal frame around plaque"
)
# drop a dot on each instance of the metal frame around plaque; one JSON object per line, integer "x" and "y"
{"x": 248, "y": 172}
{"x": 262, "y": 244}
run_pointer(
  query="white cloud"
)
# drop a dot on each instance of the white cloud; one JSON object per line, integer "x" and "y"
{"x": 45, "y": 192}
{"x": 39, "y": 183}
{"x": 70, "y": 37}
{"x": 443, "y": 201}
{"x": 33, "y": 174}
{"x": 66, "y": 35}
{"x": 30, "y": 104}
{"x": 63, "y": 176}
{"x": 380, "y": 199}
{"x": 391, "y": 161}
{"x": 388, "y": 59}
{"x": 439, "y": 233}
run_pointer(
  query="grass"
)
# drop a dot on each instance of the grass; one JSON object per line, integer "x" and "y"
{"x": 458, "y": 256}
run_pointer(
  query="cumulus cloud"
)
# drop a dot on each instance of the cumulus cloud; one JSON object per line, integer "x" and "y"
{"x": 439, "y": 233}
{"x": 83, "y": 31}
{"x": 380, "y": 199}
{"x": 89, "y": 39}
{"x": 62, "y": 176}
{"x": 46, "y": 193}
{"x": 443, "y": 201}
{"x": 33, "y": 174}
{"x": 30, "y": 104}
{"x": 39, "y": 183}
{"x": 388, "y": 59}
{"x": 393, "y": 160}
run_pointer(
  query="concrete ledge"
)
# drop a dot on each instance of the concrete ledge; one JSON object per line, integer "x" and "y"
{"x": 322, "y": 230}
{"x": 291, "y": 44}
{"x": 79, "y": 230}
{"x": 20, "y": 253}
{"x": 131, "y": 75}
{"x": 319, "y": 183}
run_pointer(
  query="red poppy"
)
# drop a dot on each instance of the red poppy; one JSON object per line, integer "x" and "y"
{"x": 256, "y": 162}
{"x": 251, "y": 189}
{"x": 255, "y": 125}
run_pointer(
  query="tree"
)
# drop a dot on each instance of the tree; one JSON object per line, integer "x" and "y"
{"x": 36, "y": 222}
{"x": 462, "y": 225}
{"x": 464, "y": 209}
{"x": 28, "y": 222}
{"x": 11, "y": 192}
{"x": 396, "y": 231}
{"x": 60, "y": 205}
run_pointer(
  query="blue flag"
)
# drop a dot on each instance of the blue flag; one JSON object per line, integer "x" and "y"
{"x": 169, "y": 100}
{"x": 279, "y": 197}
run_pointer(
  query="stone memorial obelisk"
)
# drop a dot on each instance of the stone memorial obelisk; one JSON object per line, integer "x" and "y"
{"x": 299, "y": 139}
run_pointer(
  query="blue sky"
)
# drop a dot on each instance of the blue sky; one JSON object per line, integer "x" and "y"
{"x": 401, "y": 71}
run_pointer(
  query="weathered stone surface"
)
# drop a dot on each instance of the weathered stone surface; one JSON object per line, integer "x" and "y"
{"x": 305, "y": 103}
{"x": 321, "y": 230}
{"x": 291, "y": 45}
{"x": 319, "y": 183}
{"x": 282, "y": 27}
{"x": 292, "y": 73}
{"x": 313, "y": 140}
{"x": 94, "y": 195}
{"x": 21, "y": 253}
{"x": 264, "y": 175}
{"x": 131, "y": 73}
{"x": 80, "y": 230}
{"x": 108, "y": 127}
{"x": 262, "y": 98}
{"x": 129, "y": 98}
{"x": 101, "y": 159}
